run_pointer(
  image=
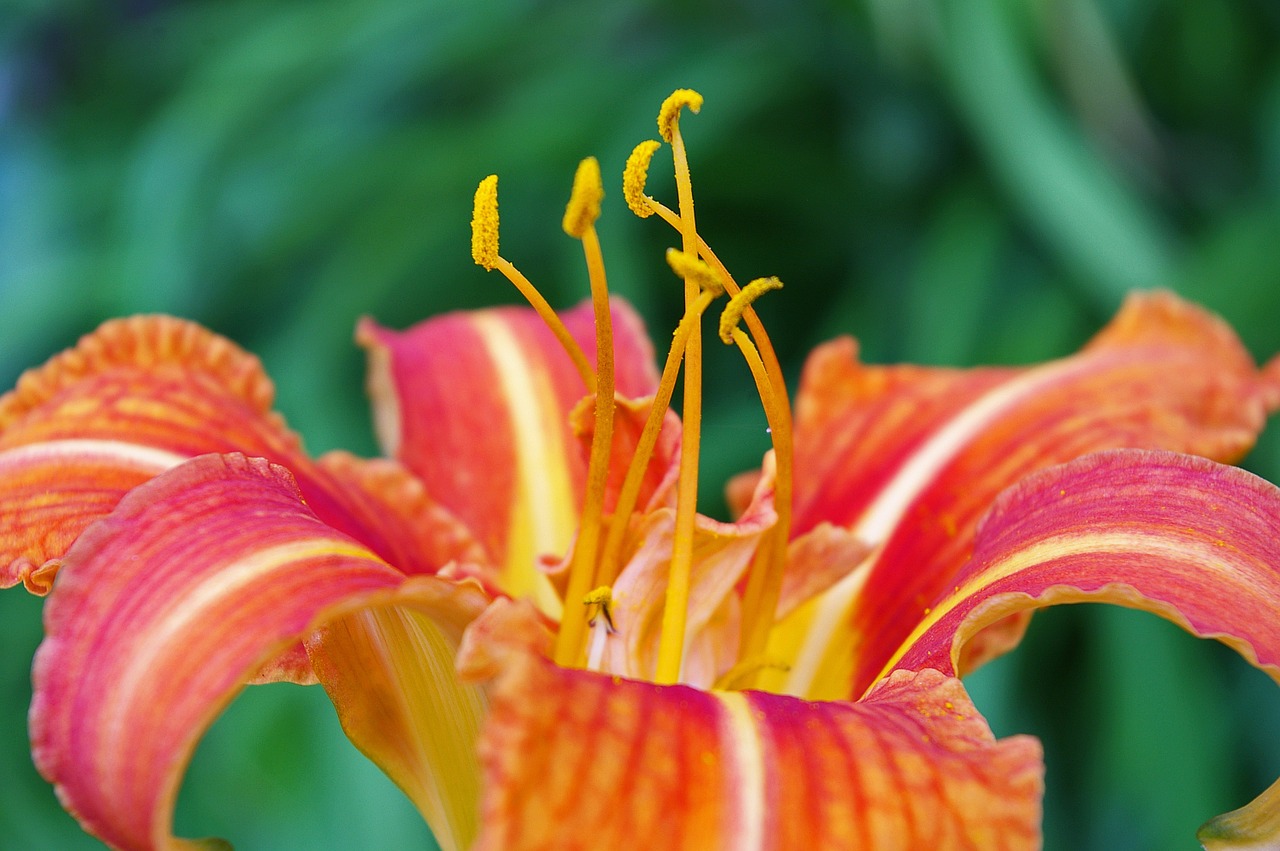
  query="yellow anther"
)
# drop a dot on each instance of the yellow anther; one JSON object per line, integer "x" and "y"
{"x": 636, "y": 174}
{"x": 733, "y": 310}
{"x": 670, "y": 112}
{"x": 691, "y": 268}
{"x": 484, "y": 224}
{"x": 584, "y": 203}
{"x": 598, "y": 603}
{"x": 600, "y": 596}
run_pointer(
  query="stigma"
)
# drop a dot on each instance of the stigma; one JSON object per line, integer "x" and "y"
{"x": 586, "y": 622}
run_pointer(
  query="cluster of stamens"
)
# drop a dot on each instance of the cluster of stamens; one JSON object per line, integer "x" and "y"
{"x": 598, "y": 551}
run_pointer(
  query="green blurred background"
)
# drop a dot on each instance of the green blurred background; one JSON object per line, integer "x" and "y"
{"x": 953, "y": 181}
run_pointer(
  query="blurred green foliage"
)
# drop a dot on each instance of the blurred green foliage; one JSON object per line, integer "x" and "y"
{"x": 953, "y": 181}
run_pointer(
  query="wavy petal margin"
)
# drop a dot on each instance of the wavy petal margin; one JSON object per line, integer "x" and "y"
{"x": 909, "y": 458}
{"x": 164, "y": 610}
{"x": 141, "y": 395}
{"x": 575, "y": 760}
{"x": 1190, "y": 540}
{"x": 477, "y": 405}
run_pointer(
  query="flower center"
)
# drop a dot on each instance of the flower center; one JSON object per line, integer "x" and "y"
{"x": 597, "y": 553}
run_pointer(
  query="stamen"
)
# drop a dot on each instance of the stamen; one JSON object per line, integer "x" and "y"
{"x": 484, "y": 224}
{"x": 598, "y": 603}
{"x": 634, "y": 177}
{"x": 584, "y": 202}
{"x": 690, "y": 268}
{"x": 579, "y": 221}
{"x": 766, "y": 571}
{"x": 630, "y": 492}
{"x": 669, "y": 113}
{"x": 484, "y": 250}
{"x": 733, "y": 310}
{"x": 674, "y": 614}
{"x": 764, "y": 585}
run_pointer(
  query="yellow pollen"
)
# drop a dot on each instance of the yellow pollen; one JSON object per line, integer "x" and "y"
{"x": 484, "y": 250}
{"x": 484, "y": 224}
{"x": 733, "y": 310}
{"x": 584, "y": 202}
{"x": 669, "y": 114}
{"x": 599, "y": 602}
{"x": 635, "y": 175}
{"x": 691, "y": 268}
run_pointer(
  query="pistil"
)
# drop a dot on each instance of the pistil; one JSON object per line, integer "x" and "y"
{"x": 674, "y": 614}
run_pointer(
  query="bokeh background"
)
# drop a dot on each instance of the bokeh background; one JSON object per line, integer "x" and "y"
{"x": 953, "y": 181}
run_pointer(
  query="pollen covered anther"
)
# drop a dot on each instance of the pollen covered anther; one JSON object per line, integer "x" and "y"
{"x": 635, "y": 175}
{"x": 693, "y": 269}
{"x": 484, "y": 224}
{"x": 669, "y": 114}
{"x": 598, "y": 603}
{"x": 584, "y": 202}
{"x": 732, "y": 314}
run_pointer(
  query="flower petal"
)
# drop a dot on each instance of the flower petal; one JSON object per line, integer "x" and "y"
{"x": 137, "y": 397}
{"x": 574, "y": 760}
{"x": 163, "y": 610}
{"x": 909, "y": 458}
{"x": 722, "y": 554}
{"x": 389, "y": 671}
{"x": 1188, "y": 539}
{"x": 477, "y": 404}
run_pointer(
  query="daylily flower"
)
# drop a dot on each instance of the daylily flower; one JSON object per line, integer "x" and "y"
{"x": 523, "y": 620}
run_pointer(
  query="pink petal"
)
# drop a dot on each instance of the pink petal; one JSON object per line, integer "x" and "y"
{"x": 910, "y": 458}
{"x": 477, "y": 405}
{"x": 576, "y": 760}
{"x": 163, "y": 611}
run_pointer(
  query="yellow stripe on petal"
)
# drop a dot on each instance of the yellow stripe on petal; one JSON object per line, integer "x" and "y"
{"x": 543, "y": 516}
{"x": 389, "y": 670}
{"x": 165, "y": 609}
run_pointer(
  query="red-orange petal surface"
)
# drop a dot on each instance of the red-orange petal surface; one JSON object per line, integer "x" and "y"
{"x": 163, "y": 610}
{"x": 477, "y": 404}
{"x": 575, "y": 760}
{"x": 135, "y": 398}
{"x": 910, "y": 458}
{"x": 1188, "y": 539}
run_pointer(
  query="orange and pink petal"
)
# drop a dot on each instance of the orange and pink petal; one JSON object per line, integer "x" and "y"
{"x": 1183, "y": 537}
{"x": 580, "y": 760}
{"x": 477, "y": 405}
{"x": 908, "y": 459}
{"x": 141, "y": 395}
{"x": 166, "y": 608}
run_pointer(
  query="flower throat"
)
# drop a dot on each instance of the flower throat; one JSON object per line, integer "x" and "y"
{"x": 597, "y": 554}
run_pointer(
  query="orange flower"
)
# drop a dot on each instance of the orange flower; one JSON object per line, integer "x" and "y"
{"x": 524, "y": 621}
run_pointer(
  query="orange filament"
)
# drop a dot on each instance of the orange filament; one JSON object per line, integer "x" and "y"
{"x": 675, "y": 611}
{"x": 579, "y": 221}
{"x": 630, "y": 492}
{"x": 484, "y": 250}
{"x": 764, "y": 585}
{"x": 596, "y": 563}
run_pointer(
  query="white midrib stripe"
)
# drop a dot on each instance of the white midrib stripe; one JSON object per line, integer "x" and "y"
{"x": 882, "y": 517}
{"x": 745, "y": 782}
